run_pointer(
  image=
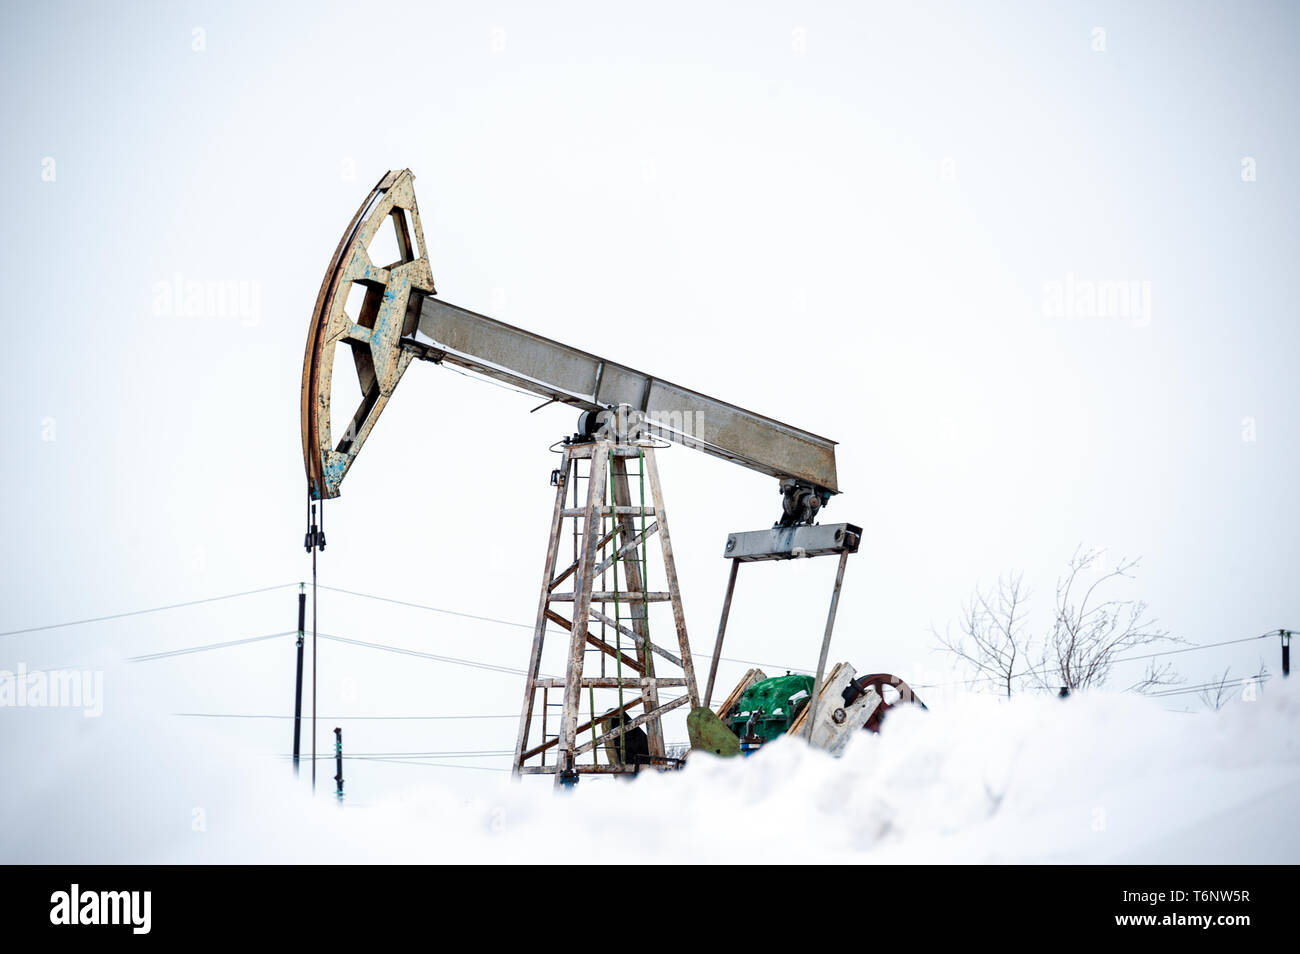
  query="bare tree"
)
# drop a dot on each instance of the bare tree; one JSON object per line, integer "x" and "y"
{"x": 1219, "y": 692}
{"x": 1156, "y": 675}
{"x": 1090, "y": 631}
{"x": 991, "y": 635}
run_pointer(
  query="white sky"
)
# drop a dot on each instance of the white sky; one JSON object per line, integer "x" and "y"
{"x": 843, "y": 216}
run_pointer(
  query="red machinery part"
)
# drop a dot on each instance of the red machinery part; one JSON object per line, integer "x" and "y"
{"x": 880, "y": 681}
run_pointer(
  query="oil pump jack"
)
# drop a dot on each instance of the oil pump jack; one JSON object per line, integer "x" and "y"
{"x": 389, "y": 315}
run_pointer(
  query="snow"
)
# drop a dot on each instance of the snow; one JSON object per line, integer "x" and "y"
{"x": 1096, "y": 778}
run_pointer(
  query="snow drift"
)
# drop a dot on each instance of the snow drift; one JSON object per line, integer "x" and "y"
{"x": 1096, "y": 778}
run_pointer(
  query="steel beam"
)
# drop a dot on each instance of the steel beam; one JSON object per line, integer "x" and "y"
{"x": 793, "y": 543}
{"x": 445, "y": 333}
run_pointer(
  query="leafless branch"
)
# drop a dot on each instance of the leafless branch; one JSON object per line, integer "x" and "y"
{"x": 1091, "y": 630}
{"x": 991, "y": 635}
{"x": 1220, "y": 692}
{"x": 1157, "y": 675}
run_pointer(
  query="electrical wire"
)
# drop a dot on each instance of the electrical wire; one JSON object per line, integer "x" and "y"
{"x": 491, "y": 667}
{"x": 1045, "y": 669}
{"x": 385, "y": 718}
{"x": 475, "y": 768}
{"x": 141, "y": 612}
{"x": 392, "y": 718}
{"x": 455, "y": 660}
{"x": 1188, "y": 649}
{"x": 432, "y": 609}
{"x": 1209, "y": 686}
{"x": 495, "y": 383}
{"x": 468, "y": 754}
{"x": 530, "y": 626}
{"x": 167, "y": 654}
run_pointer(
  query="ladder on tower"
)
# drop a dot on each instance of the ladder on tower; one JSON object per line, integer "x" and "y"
{"x": 612, "y": 537}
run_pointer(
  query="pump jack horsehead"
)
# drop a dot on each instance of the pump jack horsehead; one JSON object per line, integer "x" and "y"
{"x": 602, "y": 597}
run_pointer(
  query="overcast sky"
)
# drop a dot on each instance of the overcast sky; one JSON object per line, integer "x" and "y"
{"x": 878, "y": 222}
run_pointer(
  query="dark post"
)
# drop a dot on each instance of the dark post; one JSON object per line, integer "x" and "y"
{"x": 722, "y": 631}
{"x": 297, "y": 692}
{"x": 1286, "y": 652}
{"x": 338, "y": 761}
{"x": 314, "y": 540}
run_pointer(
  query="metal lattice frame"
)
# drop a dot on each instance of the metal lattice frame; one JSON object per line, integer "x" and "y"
{"x": 598, "y": 552}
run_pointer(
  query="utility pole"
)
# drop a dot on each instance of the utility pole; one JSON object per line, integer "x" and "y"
{"x": 297, "y": 692}
{"x": 315, "y": 540}
{"x": 338, "y": 762}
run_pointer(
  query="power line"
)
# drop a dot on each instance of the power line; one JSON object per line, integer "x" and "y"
{"x": 394, "y": 718}
{"x": 498, "y": 384}
{"x": 1050, "y": 668}
{"x": 505, "y": 622}
{"x": 149, "y": 657}
{"x": 386, "y": 718}
{"x": 492, "y": 667}
{"x": 433, "y": 609}
{"x": 529, "y": 626}
{"x": 1188, "y": 649}
{"x": 1220, "y": 683}
{"x": 141, "y": 612}
{"x": 475, "y": 768}
{"x": 1174, "y": 688}
{"x": 455, "y": 660}
{"x": 752, "y": 662}
{"x": 769, "y": 665}
{"x": 469, "y": 754}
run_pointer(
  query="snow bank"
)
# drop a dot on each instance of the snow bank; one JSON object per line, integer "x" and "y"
{"x": 1096, "y": 778}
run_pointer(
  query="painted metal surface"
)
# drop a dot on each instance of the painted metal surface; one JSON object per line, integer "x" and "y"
{"x": 722, "y": 632}
{"x": 769, "y": 707}
{"x": 792, "y": 543}
{"x": 448, "y": 334}
{"x": 710, "y": 734}
{"x": 372, "y": 335}
{"x": 398, "y": 318}
{"x": 878, "y": 682}
{"x": 832, "y": 720}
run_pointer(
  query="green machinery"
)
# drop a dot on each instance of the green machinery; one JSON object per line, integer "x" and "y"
{"x": 760, "y": 710}
{"x": 769, "y": 707}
